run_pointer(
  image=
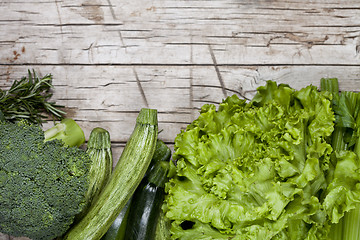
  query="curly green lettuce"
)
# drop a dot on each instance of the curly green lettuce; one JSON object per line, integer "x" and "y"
{"x": 261, "y": 169}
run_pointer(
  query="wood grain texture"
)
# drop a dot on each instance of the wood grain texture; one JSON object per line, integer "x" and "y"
{"x": 179, "y": 32}
{"x": 110, "y": 58}
{"x": 111, "y": 96}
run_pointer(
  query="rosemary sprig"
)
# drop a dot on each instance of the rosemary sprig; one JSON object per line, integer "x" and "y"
{"x": 28, "y": 98}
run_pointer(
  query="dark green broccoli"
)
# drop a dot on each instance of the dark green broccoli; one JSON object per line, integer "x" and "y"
{"x": 42, "y": 183}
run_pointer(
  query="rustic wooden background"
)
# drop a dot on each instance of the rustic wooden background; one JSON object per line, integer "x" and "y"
{"x": 110, "y": 58}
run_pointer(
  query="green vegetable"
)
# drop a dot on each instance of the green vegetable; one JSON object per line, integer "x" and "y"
{"x": 162, "y": 227}
{"x": 345, "y": 140}
{"x": 146, "y": 203}
{"x": 2, "y": 117}
{"x": 126, "y": 176}
{"x": 68, "y": 131}
{"x": 42, "y": 183}
{"x": 99, "y": 151}
{"x": 29, "y": 98}
{"x": 117, "y": 228}
{"x": 263, "y": 169}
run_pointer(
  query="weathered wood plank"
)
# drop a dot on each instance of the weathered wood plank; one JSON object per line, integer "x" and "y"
{"x": 180, "y": 32}
{"x": 4, "y": 237}
{"x": 110, "y": 96}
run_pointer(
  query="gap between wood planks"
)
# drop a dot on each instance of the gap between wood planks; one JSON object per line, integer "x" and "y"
{"x": 186, "y": 64}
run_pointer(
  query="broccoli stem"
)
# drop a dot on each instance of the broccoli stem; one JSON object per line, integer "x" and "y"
{"x": 68, "y": 131}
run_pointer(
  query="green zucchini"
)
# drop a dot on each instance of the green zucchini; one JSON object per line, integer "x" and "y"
{"x": 163, "y": 227}
{"x": 146, "y": 203}
{"x": 99, "y": 150}
{"x": 164, "y": 224}
{"x": 117, "y": 228}
{"x": 126, "y": 177}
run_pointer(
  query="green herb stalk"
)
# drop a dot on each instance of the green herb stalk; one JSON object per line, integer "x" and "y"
{"x": 29, "y": 98}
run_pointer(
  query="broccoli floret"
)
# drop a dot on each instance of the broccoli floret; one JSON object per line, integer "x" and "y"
{"x": 42, "y": 183}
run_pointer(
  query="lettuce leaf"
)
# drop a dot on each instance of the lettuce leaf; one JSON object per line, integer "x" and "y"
{"x": 263, "y": 169}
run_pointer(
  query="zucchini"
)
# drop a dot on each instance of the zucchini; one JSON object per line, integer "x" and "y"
{"x": 126, "y": 177}
{"x": 146, "y": 203}
{"x": 163, "y": 227}
{"x": 99, "y": 151}
{"x": 164, "y": 224}
{"x": 117, "y": 228}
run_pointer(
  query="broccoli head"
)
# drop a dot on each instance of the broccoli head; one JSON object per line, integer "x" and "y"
{"x": 42, "y": 183}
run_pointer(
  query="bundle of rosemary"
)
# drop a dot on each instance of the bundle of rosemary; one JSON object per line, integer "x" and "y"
{"x": 29, "y": 98}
